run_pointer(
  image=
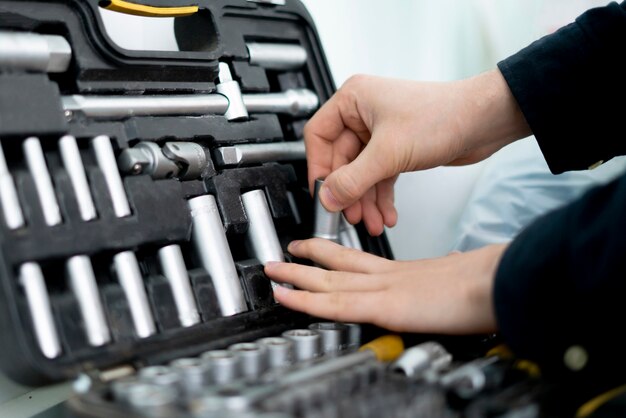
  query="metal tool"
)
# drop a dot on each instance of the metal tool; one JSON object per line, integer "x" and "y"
{"x": 422, "y": 361}
{"x": 274, "y": 56}
{"x": 153, "y": 400}
{"x": 261, "y": 235}
{"x": 11, "y": 209}
{"x": 105, "y": 157}
{"x": 163, "y": 376}
{"x": 348, "y": 236}
{"x": 212, "y": 248}
{"x": 296, "y": 102}
{"x": 34, "y": 52}
{"x": 470, "y": 379}
{"x": 194, "y": 372}
{"x": 354, "y": 335}
{"x": 253, "y": 358}
{"x": 73, "y": 164}
{"x": 36, "y": 163}
{"x": 307, "y": 344}
{"x": 230, "y": 89}
{"x": 383, "y": 349}
{"x": 175, "y": 271}
{"x": 120, "y": 387}
{"x": 129, "y": 276}
{"x": 333, "y": 334}
{"x": 181, "y": 160}
{"x": 279, "y": 351}
{"x": 224, "y": 366}
{"x": 84, "y": 287}
{"x": 260, "y": 153}
{"x": 32, "y": 281}
{"x": 326, "y": 224}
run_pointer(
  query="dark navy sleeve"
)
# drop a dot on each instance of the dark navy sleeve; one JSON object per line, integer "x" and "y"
{"x": 565, "y": 83}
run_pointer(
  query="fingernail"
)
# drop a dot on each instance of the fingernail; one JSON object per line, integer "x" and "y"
{"x": 270, "y": 265}
{"x": 329, "y": 198}
{"x": 293, "y": 244}
{"x": 280, "y": 291}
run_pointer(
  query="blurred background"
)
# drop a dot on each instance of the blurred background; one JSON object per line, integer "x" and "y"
{"x": 410, "y": 39}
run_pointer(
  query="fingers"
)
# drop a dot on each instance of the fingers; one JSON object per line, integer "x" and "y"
{"x": 341, "y": 306}
{"x": 316, "y": 279}
{"x": 372, "y": 216}
{"x": 337, "y": 115}
{"x": 337, "y": 257}
{"x": 348, "y": 183}
{"x": 385, "y": 201}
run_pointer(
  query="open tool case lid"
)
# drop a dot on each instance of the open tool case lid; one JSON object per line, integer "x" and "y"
{"x": 31, "y": 105}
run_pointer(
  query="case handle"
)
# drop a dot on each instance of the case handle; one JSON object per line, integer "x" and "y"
{"x": 129, "y": 8}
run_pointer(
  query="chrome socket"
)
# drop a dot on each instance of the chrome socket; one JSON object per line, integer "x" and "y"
{"x": 279, "y": 351}
{"x": 307, "y": 343}
{"x": 224, "y": 366}
{"x": 334, "y": 336}
{"x": 194, "y": 372}
{"x": 253, "y": 358}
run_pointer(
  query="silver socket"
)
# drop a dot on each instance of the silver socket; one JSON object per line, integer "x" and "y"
{"x": 272, "y": 56}
{"x": 120, "y": 387}
{"x": 163, "y": 376}
{"x": 334, "y": 336}
{"x": 175, "y": 271}
{"x": 152, "y": 400}
{"x": 230, "y": 89}
{"x": 348, "y": 236}
{"x": 34, "y": 285}
{"x": 246, "y": 154}
{"x": 105, "y": 157}
{"x": 195, "y": 374}
{"x": 262, "y": 236}
{"x": 253, "y": 358}
{"x": 326, "y": 223}
{"x": 307, "y": 344}
{"x": 129, "y": 276}
{"x": 214, "y": 253}
{"x": 34, "y": 52}
{"x": 224, "y": 366}
{"x": 83, "y": 284}
{"x": 418, "y": 361}
{"x": 354, "y": 335}
{"x": 11, "y": 209}
{"x": 279, "y": 351}
{"x": 36, "y": 163}
{"x": 73, "y": 164}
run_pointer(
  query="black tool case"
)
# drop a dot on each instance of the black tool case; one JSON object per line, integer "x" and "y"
{"x": 168, "y": 153}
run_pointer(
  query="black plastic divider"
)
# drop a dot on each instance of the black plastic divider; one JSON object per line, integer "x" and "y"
{"x": 161, "y": 299}
{"x": 206, "y": 298}
{"x": 170, "y": 222}
{"x": 256, "y": 285}
{"x": 118, "y": 313}
{"x": 230, "y": 184}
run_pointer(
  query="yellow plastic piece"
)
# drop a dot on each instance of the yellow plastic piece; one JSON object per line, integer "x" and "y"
{"x": 501, "y": 351}
{"x": 147, "y": 11}
{"x": 529, "y": 367}
{"x": 386, "y": 348}
{"x": 589, "y": 407}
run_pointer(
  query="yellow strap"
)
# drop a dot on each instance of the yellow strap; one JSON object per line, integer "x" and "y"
{"x": 147, "y": 11}
{"x": 589, "y": 407}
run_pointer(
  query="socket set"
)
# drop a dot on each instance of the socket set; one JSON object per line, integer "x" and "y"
{"x": 141, "y": 195}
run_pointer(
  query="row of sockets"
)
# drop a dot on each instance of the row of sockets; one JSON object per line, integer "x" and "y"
{"x": 208, "y": 236}
{"x": 184, "y": 384}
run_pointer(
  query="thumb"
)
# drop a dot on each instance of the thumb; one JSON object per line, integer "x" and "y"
{"x": 348, "y": 183}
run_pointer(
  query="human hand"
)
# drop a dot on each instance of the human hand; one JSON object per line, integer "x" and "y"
{"x": 374, "y": 128}
{"x": 447, "y": 295}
